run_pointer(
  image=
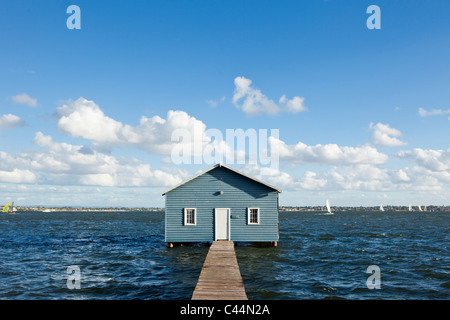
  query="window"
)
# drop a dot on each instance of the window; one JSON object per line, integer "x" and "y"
{"x": 253, "y": 215}
{"x": 190, "y": 216}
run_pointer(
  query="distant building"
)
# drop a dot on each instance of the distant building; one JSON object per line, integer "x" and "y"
{"x": 221, "y": 203}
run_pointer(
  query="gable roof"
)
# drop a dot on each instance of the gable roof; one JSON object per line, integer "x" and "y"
{"x": 221, "y": 165}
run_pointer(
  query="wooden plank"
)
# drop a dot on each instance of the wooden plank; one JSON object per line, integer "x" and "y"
{"x": 220, "y": 278}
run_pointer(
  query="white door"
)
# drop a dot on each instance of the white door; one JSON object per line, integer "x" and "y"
{"x": 222, "y": 219}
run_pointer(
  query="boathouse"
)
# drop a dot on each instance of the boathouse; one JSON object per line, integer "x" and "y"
{"x": 221, "y": 203}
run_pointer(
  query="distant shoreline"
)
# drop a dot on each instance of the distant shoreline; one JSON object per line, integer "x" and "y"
{"x": 281, "y": 208}
{"x": 93, "y": 209}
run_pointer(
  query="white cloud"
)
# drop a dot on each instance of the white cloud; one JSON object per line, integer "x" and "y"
{"x": 311, "y": 181}
{"x": 17, "y": 176}
{"x": 65, "y": 164}
{"x": 400, "y": 176}
{"x": 273, "y": 176}
{"x": 424, "y": 180}
{"x": 432, "y": 174}
{"x": 356, "y": 177}
{"x": 177, "y": 133}
{"x": 434, "y": 112}
{"x": 301, "y": 153}
{"x": 10, "y": 121}
{"x": 155, "y": 134}
{"x": 253, "y": 102}
{"x": 84, "y": 118}
{"x": 355, "y": 168}
{"x": 366, "y": 177}
{"x": 383, "y": 135}
{"x": 25, "y": 99}
{"x": 434, "y": 160}
{"x": 360, "y": 177}
{"x": 295, "y": 105}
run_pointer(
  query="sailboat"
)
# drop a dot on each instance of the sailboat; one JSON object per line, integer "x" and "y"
{"x": 424, "y": 208}
{"x": 410, "y": 208}
{"x": 420, "y": 209}
{"x": 328, "y": 208}
{"x": 381, "y": 207}
{"x": 9, "y": 208}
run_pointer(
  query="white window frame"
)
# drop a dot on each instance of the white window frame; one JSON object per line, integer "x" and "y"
{"x": 185, "y": 217}
{"x": 258, "y": 216}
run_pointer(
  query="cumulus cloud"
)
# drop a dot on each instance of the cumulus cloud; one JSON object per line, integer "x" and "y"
{"x": 17, "y": 176}
{"x": 155, "y": 134}
{"x": 363, "y": 177}
{"x": 312, "y": 181}
{"x": 349, "y": 177}
{"x": 434, "y": 160}
{"x": 400, "y": 176}
{"x": 357, "y": 177}
{"x": 341, "y": 167}
{"x": 360, "y": 177}
{"x": 25, "y": 99}
{"x": 179, "y": 135}
{"x": 271, "y": 176}
{"x": 301, "y": 153}
{"x": 253, "y": 102}
{"x": 10, "y": 121}
{"x": 295, "y": 105}
{"x": 84, "y": 118}
{"x": 63, "y": 163}
{"x": 432, "y": 173}
{"x": 384, "y": 135}
{"x": 140, "y": 175}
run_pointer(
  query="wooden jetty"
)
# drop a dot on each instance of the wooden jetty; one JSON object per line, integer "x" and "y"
{"x": 220, "y": 278}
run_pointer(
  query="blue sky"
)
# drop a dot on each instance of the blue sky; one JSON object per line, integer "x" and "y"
{"x": 86, "y": 115}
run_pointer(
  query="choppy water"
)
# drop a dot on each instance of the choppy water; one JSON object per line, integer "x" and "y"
{"x": 123, "y": 256}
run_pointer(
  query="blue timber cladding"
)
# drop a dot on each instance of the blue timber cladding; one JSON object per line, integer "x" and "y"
{"x": 238, "y": 194}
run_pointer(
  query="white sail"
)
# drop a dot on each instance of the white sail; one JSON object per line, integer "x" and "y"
{"x": 381, "y": 207}
{"x": 410, "y": 208}
{"x": 328, "y": 206}
{"x": 424, "y": 208}
{"x": 420, "y": 209}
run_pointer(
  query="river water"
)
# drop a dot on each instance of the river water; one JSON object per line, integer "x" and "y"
{"x": 122, "y": 255}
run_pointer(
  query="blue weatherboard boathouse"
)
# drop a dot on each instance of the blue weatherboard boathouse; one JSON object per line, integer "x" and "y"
{"x": 221, "y": 203}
